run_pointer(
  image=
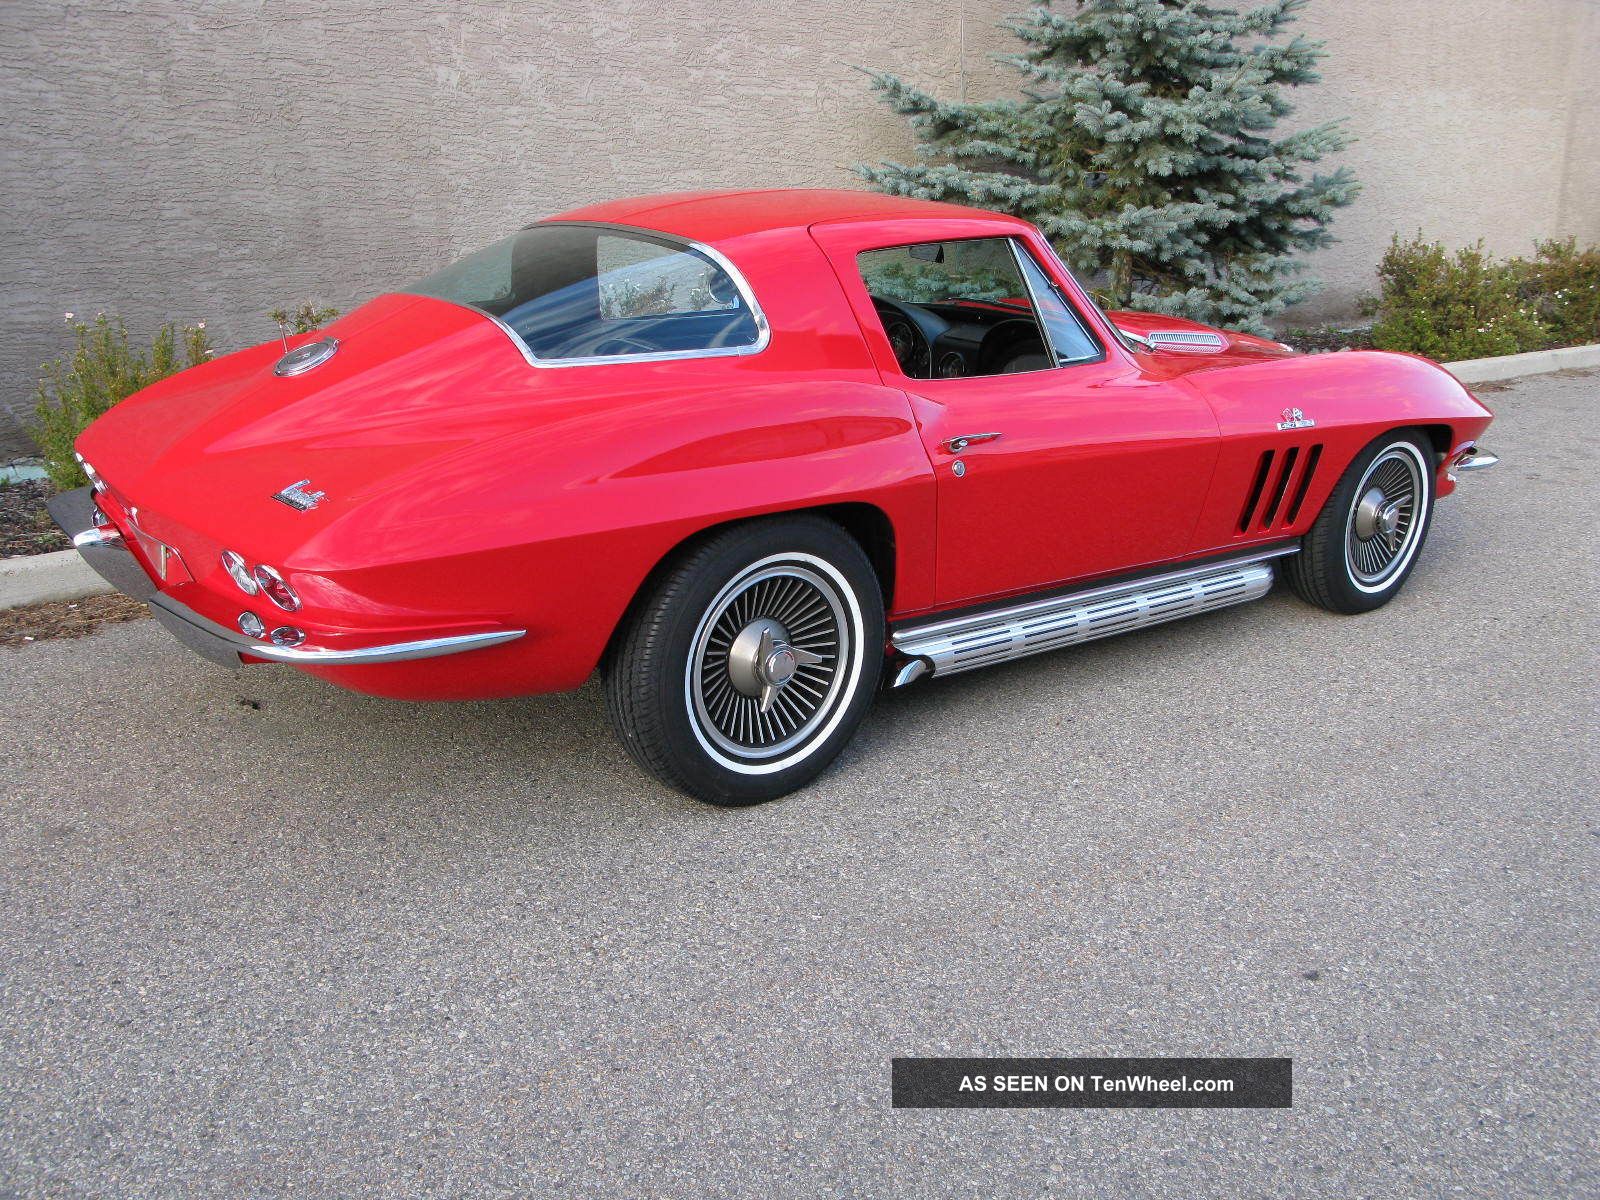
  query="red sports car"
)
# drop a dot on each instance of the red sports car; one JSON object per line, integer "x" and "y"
{"x": 750, "y": 453}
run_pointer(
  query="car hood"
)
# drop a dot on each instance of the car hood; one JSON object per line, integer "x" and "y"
{"x": 206, "y": 450}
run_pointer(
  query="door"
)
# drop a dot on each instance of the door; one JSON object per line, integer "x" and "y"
{"x": 1057, "y": 459}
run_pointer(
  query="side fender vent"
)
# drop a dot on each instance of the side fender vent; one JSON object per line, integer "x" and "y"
{"x": 1264, "y": 505}
{"x": 1304, "y": 486}
{"x": 1254, "y": 497}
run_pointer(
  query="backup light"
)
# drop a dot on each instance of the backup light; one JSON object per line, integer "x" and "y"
{"x": 274, "y": 587}
{"x": 239, "y": 571}
{"x": 288, "y": 636}
{"x": 251, "y": 625}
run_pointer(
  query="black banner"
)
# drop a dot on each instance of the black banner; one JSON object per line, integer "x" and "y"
{"x": 1093, "y": 1082}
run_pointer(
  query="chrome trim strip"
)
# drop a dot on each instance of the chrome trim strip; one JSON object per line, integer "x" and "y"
{"x": 223, "y": 640}
{"x": 981, "y": 639}
{"x": 763, "y": 327}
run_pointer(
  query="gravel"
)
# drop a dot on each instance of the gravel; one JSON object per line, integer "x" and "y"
{"x": 25, "y": 526}
{"x": 66, "y": 618}
{"x": 263, "y": 938}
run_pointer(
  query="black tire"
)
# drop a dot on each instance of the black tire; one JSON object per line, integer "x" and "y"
{"x": 678, "y": 679}
{"x": 1341, "y": 568}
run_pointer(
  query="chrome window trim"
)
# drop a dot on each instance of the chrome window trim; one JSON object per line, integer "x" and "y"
{"x": 1018, "y": 249}
{"x": 1128, "y": 341}
{"x": 740, "y": 283}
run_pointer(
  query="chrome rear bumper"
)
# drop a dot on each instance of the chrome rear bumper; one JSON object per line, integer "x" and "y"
{"x": 102, "y": 546}
{"x": 99, "y": 543}
{"x": 1471, "y": 458}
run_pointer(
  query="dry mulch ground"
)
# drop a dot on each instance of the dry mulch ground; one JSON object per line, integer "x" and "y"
{"x": 66, "y": 619}
{"x": 25, "y": 526}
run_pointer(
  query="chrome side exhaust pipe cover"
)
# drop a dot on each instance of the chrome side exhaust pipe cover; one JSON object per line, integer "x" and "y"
{"x": 982, "y": 639}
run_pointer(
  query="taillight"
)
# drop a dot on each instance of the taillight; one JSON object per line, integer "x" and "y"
{"x": 275, "y": 588}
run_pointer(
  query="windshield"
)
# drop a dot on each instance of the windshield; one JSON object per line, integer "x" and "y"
{"x": 579, "y": 293}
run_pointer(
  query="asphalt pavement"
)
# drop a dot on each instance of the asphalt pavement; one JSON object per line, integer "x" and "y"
{"x": 259, "y": 937}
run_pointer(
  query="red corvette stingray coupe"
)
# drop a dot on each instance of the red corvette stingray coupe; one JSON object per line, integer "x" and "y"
{"x": 748, "y": 453}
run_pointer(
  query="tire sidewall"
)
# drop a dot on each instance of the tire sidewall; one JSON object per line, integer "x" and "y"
{"x": 819, "y": 546}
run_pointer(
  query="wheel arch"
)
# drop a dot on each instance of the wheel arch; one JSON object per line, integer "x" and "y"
{"x": 1441, "y": 437}
{"x": 867, "y": 524}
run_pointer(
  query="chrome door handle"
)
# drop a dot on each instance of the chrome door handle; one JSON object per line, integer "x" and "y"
{"x": 956, "y": 445}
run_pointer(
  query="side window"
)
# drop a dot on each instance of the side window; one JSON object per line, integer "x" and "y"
{"x": 1070, "y": 340}
{"x": 972, "y": 307}
{"x": 646, "y": 279}
{"x": 591, "y": 293}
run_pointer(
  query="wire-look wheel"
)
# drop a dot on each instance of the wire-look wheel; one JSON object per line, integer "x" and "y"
{"x": 764, "y": 669}
{"x": 748, "y": 664}
{"x": 1383, "y": 517}
{"x": 1364, "y": 542}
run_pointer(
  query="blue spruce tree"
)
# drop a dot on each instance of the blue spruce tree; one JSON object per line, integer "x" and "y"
{"x": 1143, "y": 146}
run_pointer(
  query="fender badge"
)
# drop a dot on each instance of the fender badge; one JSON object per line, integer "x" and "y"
{"x": 297, "y": 498}
{"x": 1293, "y": 418}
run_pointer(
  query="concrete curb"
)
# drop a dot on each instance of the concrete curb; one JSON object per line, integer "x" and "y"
{"x": 41, "y": 578}
{"x": 1539, "y": 362}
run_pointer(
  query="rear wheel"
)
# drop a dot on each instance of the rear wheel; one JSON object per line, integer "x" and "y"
{"x": 750, "y": 663}
{"x": 1365, "y": 541}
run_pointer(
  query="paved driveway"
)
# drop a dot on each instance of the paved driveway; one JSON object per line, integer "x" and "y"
{"x": 263, "y": 938}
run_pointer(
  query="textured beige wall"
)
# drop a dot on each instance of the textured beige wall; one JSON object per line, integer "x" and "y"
{"x": 1475, "y": 118}
{"x": 171, "y": 160}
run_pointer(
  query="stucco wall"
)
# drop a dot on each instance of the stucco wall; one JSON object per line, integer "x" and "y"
{"x": 1475, "y": 118}
{"x": 181, "y": 161}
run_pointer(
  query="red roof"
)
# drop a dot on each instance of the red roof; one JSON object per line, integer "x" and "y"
{"x": 716, "y": 216}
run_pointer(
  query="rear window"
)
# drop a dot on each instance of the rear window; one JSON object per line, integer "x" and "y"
{"x": 582, "y": 293}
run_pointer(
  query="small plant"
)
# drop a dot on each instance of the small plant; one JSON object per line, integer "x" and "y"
{"x": 304, "y": 319}
{"x": 1563, "y": 284}
{"x": 1468, "y": 305}
{"x": 102, "y": 370}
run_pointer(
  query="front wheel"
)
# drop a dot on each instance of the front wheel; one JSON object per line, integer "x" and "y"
{"x": 1365, "y": 541}
{"x": 747, "y": 667}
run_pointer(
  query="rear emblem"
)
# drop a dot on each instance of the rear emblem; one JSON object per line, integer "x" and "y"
{"x": 1293, "y": 418}
{"x": 297, "y": 498}
{"x": 301, "y": 359}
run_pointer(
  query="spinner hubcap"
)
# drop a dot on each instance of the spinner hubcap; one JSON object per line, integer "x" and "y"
{"x": 1384, "y": 519}
{"x": 762, "y": 662}
{"x": 764, "y": 670}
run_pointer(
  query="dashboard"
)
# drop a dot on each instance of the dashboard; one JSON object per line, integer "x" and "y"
{"x": 955, "y": 338}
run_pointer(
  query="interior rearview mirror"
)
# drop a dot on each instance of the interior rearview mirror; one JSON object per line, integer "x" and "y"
{"x": 927, "y": 252}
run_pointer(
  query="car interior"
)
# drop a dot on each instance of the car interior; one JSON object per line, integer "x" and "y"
{"x": 966, "y": 308}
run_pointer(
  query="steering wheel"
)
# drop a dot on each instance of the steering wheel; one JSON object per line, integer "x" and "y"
{"x": 910, "y": 345}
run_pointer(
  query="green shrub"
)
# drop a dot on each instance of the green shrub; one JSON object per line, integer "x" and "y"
{"x": 302, "y": 319}
{"x": 1468, "y": 305}
{"x": 101, "y": 370}
{"x": 1563, "y": 284}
